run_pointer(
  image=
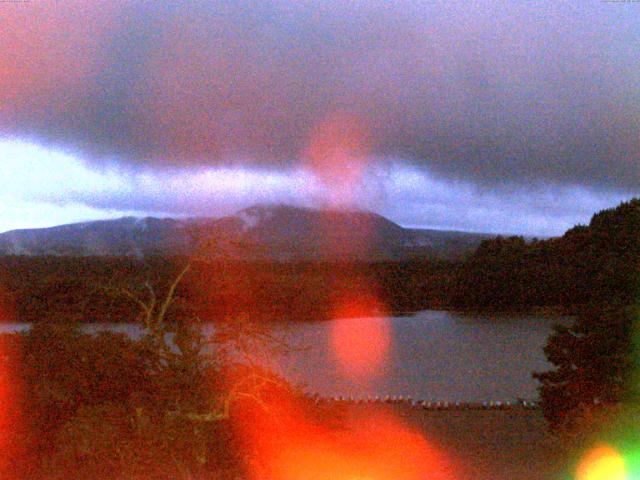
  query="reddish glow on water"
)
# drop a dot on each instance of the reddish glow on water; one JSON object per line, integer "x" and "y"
{"x": 602, "y": 463}
{"x": 360, "y": 348}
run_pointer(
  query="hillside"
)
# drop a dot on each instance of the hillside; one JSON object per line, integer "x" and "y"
{"x": 281, "y": 233}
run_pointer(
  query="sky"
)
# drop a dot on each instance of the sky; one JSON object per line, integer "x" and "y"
{"x": 486, "y": 115}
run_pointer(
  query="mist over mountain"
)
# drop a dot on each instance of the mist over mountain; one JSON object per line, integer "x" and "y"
{"x": 262, "y": 232}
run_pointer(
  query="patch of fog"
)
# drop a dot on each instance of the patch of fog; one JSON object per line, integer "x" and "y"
{"x": 141, "y": 224}
{"x": 252, "y": 217}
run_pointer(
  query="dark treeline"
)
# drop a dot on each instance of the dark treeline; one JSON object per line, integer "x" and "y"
{"x": 98, "y": 289}
{"x": 591, "y": 392}
{"x": 598, "y": 263}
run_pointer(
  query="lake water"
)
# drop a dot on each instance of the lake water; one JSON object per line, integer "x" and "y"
{"x": 432, "y": 355}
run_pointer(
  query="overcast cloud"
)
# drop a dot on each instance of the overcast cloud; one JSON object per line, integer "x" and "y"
{"x": 522, "y": 116}
{"x": 490, "y": 91}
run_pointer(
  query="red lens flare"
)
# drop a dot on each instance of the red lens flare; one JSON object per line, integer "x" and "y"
{"x": 10, "y": 391}
{"x": 288, "y": 445}
{"x": 337, "y": 155}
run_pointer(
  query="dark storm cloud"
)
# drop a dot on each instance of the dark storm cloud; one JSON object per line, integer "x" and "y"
{"x": 490, "y": 92}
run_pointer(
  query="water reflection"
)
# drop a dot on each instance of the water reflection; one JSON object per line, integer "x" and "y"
{"x": 434, "y": 355}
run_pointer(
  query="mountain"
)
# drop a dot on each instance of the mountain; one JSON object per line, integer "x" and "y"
{"x": 277, "y": 232}
{"x": 126, "y": 236}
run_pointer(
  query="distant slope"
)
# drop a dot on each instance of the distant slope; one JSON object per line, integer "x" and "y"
{"x": 123, "y": 237}
{"x": 277, "y": 232}
{"x": 449, "y": 244}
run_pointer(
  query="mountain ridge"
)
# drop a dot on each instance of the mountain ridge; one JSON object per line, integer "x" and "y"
{"x": 267, "y": 232}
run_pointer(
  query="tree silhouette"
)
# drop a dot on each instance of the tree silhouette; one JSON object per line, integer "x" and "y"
{"x": 596, "y": 358}
{"x": 594, "y": 362}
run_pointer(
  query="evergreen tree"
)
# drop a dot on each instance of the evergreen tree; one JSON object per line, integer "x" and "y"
{"x": 594, "y": 363}
{"x": 595, "y": 359}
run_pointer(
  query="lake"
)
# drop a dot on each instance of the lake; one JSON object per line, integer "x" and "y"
{"x": 431, "y": 355}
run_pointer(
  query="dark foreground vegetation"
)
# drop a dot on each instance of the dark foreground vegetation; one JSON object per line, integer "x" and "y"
{"x": 105, "y": 406}
{"x": 94, "y": 289}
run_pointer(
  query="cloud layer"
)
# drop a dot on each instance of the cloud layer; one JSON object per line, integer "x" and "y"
{"x": 45, "y": 188}
{"x": 488, "y": 92}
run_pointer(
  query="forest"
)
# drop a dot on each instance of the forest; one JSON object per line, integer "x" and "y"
{"x": 588, "y": 264}
{"x": 93, "y": 289}
{"x": 594, "y": 263}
